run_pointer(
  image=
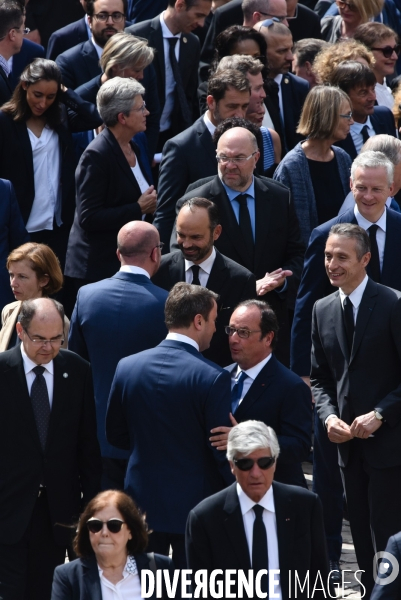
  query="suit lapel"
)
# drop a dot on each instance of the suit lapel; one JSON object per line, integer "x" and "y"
{"x": 263, "y": 207}
{"x": 143, "y": 562}
{"x": 156, "y": 42}
{"x": 60, "y": 397}
{"x": 390, "y": 248}
{"x": 177, "y": 268}
{"x": 218, "y": 275}
{"x": 121, "y": 160}
{"x": 338, "y": 324}
{"x": 259, "y": 387}
{"x": 91, "y": 579}
{"x": 285, "y": 528}
{"x": 90, "y": 59}
{"x": 364, "y": 313}
{"x": 234, "y": 526}
{"x": 23, "y": 136}
{"x": 6, "y": 80}
{"x": 206, "y": 140}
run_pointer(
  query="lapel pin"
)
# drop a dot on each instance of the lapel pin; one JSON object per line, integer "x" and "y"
{"x": 65, "y": 375}
{"x": 184, "y": 39}
{"x": 286, "y": 80}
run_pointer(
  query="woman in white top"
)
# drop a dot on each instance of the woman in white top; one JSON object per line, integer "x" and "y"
{"x": 110, "y": 542}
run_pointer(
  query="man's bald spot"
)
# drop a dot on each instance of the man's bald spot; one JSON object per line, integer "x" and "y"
{"x": 137, "y": 238}
{"x": 275, "y": 29}
{"x": 238, "y": 135}
{"x": 45, "y": 309}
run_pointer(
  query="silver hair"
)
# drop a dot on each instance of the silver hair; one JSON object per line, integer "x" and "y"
{"x": 249, "y": 436}
{"x": 251, "y": 6}
{"x": 241, "y": 62}
{"x": 389, "y": 145}
{"x": 373, "y": 160}
{"x": 117, "y": 96}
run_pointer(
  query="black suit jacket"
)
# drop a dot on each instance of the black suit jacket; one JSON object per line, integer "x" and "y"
{"x": 227, "y": 278}
{"x": 5, "y": 87}
{"x": 188, "y": 65}
{"x": 382, "y": 122}
{"x": 107, "y": 196}
{"x": 294, "y": 91}
{"x": 29, "y": 51}
{"x": 215, "y": 537}
{"x": 71, "y": 461}
{"x": 67, "y": 37}
{"x": 370, "y": 378}
{"x": 282, "y": 400}
{"x": 79, "y": 64}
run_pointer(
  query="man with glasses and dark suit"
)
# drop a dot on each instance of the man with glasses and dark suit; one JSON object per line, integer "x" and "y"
{"x": 12, "y": 21}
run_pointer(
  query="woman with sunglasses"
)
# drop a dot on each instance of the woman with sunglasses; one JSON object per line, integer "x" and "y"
{"x": 110, "y": 542}
{"x": 352, "y": 14}
{"x": 316, "y": 171}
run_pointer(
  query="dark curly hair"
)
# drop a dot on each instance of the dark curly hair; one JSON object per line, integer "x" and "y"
{"x": 227, "y": 40}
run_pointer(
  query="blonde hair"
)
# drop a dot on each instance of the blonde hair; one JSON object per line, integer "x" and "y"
{"x": 368, "y": 8}
{"x": 329, "y": 58}
{"x": 123, "y": 50}
{"x": 321, "y": 112}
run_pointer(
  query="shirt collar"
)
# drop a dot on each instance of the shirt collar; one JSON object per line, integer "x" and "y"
{"x": 99, "y": 49}
{"x": 206, "y": 265}
{"x": 179, "y": 337}
{"x": 357, "y": 127}
{"x": 365, "y": 224}
{"x": 278, "y": 78}
{"x": 165, "y": 30}
{"x": 129, "y": 569}
{"x": 209, "y": 124}
{"x": 135, "y": 270}
{"x": 29, "y": 365}
{"x": 253, "y": 372}
{"x": 5, "y": 64}
{"x": 356, "y": 295}
{"x": 232, "y": 194}
{"x": 247, "y": 504}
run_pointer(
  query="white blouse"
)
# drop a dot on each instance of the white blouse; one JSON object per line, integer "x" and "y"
{"x": 129, "y": 588}
{"x": 139, "y": 176}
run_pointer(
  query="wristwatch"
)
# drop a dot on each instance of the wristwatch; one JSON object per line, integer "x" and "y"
{"x": 378, "y": 415}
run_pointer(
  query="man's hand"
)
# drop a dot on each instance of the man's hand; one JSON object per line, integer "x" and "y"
{"x": 271, "y": 281}
{"x": 220, "y": 441}
{"x": 338, "y": 431}
{"x": 364, "y": 425}
{"x": 148, "y": 200}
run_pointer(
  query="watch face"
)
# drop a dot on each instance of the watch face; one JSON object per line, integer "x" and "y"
{"x": 378, "y": 415}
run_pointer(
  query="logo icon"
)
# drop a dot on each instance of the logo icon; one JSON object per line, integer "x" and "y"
{"x": 385, "y": 571}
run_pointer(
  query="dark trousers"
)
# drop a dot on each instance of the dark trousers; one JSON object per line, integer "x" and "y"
{"x": 328, "y": 486}
{"x": 56, "y": 238}
{"x": 113, "y": 473}
{"x": 374, "y": 507}
{"x": 27, "y": 567}
{"x": 160, "y": 542}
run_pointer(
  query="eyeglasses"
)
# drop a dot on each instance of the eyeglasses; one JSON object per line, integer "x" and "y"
{"x": 349, "y": 5}
{"x": 242, "y": 332}
{"x": 24, "y": 31}
{"x": 55, "y": 342}
{"x": 116, "y": 17}
{"x": 388, "y": 50}
{"x": 142, "y": 108}
{"x": 273, "y": 19}
{"x": 246, "y": 464}
{"x": 236, "y": 160}
{"x": 96, "y": 525}
{"x": 347, "y": 116}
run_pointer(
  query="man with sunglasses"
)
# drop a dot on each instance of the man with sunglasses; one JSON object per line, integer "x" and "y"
{"x": 49, "y": 453}
{"x": 11, "y": 37}
{"x": 258, "y": 523}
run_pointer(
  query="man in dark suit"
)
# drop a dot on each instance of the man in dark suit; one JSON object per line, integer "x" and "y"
{"x": 12, "y": 22}
{"x": 265, "y": 237}
{"x": 264, "y": 390}
{"x": 130, "y": 310}
{"x": 358, "y": 81}
{"x": 67, "y": 37}
{"x": 369, "y": 179}
{"x": 194, "y": 150}
{"x": 29, "y": 51}
{"x": 197, "y": 261}
{"x": 176, "y": 62}
{"x": 48, "y": 451}
{"x": 81, "y": 63}
{"x": 358, "y": 390}
{"x": 163, "y": 404}
{"x": 260, "y": 524}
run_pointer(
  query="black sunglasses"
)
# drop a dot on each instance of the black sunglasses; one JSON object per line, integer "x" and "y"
{"x": 388, "y": 50}
{"x": 96, "y": 525}
{"x": 246, "y": 464}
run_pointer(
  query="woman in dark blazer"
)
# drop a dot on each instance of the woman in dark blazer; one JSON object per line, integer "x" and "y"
{"x": 110, "y": 542}
{"x": 35, "y": 127}
{"x": 111, "y": 184}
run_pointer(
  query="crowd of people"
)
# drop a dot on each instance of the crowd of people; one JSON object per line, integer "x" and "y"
{"x": 200, "y": 222}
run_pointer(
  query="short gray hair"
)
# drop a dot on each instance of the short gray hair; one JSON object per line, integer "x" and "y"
{"x": 251, "y": 6}
{"x": 353, "y": 232}
{"x": 240, "y": 62}
{"x": 373, "y": 160}
{"x": 30, "y": 307}
{"x": 389, "y": 145}
{"x": 249, "y": 436}
{"x": 117, "y": 96}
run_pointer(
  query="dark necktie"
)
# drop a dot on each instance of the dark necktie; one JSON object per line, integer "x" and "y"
{"x": 40, "y": 404}
{"x": 179, "y": 86}
{"x": 349, "y": 322}
{"x": 195, "y": 275}
{"x": 365, "y": 134}
{"x": 374, "y": 263}
{"x": 245, "y": 224}
{"x": 236, "y": 392}
{"x": 260, "y": 559}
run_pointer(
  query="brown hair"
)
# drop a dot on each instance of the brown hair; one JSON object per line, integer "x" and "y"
{"x": 329, "y": 58}
{"x": 373, "y": 33}
{"x": 130, "y": 513}
{"x": 43, "y": 261}
{"x": 321, "y": 112}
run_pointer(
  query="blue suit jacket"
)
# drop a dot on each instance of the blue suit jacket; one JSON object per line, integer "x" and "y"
{"x": 79, "y": 64}
{"x": 12, "y": 235}
{"x": 282, "y": 400}
{"x": 316, "y": 285}
{"x": 294, "y": 91}
{"x": 382, "y": 122}
{"x": 114, "y": 318}
{"x": 67, "y": 37}
{"x": 29, "y": 51}
{"x": 163, "y": 404}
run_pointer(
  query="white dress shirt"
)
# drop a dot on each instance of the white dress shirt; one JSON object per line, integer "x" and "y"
{"x": 384, "y": 96}
{"x": 165, "y": 119}
{"x": 356, "y": 134}
{"x": 269, "y": 519}
{"x": 135, "y": 270}
{"x": 355, "y": 297}
{"x": 140, "y": 179}
{"x": 129, "y": 588}
{"x": 204, "y": 271}
{"x": 380, "y": 233}
{"x": 48, "y": 373}
{"x": 209, "y": 124}
{"x": 179, "y": 337}
{"x": 252, "y": 373}
{"x": 46, "y": 172}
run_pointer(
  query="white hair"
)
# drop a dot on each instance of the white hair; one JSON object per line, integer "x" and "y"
{"x": 373, "y": 160}
{"x": 249, "y": 436}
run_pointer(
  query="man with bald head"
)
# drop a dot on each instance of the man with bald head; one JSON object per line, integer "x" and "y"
{"x": 116, "y": 317}
{"x": 49, "y": 455}
{"x": 260, "y": 230}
